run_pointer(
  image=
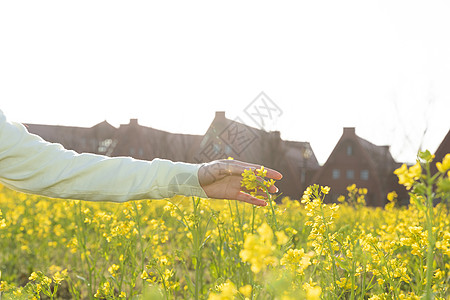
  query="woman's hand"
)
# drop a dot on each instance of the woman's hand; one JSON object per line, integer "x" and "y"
{"x": 221, "y": 179}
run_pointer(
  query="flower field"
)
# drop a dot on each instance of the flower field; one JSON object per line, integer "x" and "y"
{"x": 189, "y": 248}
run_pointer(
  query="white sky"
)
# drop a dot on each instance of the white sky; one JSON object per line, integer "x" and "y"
{"x": 382, "y": 67}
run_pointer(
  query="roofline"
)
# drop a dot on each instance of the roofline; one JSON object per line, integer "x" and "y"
{"x": 442, "y": 144}
{"x": 349, "y": 132}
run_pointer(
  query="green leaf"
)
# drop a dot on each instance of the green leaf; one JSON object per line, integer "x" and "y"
{"x": 443, "y": 185}
{"x": 425, "y": 156}
{"x": 419, "y": 188}
{"x": 418, "y": 202}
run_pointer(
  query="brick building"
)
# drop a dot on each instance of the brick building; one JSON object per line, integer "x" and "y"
{"x": 228, "y": 138}
{"x": 79, "y": 139}
{"x": 354, "y": 160}
{"x": 148, "y": 143}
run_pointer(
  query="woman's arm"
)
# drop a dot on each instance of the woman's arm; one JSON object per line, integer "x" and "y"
{"x": 32, "y": 165}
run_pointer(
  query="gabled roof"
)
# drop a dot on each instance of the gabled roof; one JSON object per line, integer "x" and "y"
{"x": 378, "y": 157}
{"x": 150, "y": 143}
{"x": 80, "y": 139}
{"x": 226, "y": 137}
{"x": 250, "y": 144}
{"x": 444, "y": 147}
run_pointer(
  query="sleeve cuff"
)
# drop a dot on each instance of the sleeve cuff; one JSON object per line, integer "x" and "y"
{"x": 183, "y": 180}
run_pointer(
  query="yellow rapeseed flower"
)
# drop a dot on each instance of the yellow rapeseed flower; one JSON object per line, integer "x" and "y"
{"x": 445, "y": 165}
{"x": 350, "y": 188}
{"x": 227, "y": 291}
{"x": 415, "y": 171}
{"x": 407, "y": 176}
{"x": 392, "y": 196}
{"x": 438, "y": 274}
{"x": 313, "y": 292}
{"x": 144, "y": 275}
{"x": 345, "y": 283}
{"x": 2, "y": 221}
{"x": 3, "y": 285}
{"x": 258, "y": 249}
{"x": 33, "y": 276}
{"x": 262, "y": 172}
{"x": 246, "y": 290}
{"x": 325, "y": 190}
{"x": 251, "y": 181}
{"x": 281, "y": 237}
{"x": 60, "y": 276}
{"x": 296, "y": 260}
{"x": 265, "y": 232}
{"x": 113, "y": 269}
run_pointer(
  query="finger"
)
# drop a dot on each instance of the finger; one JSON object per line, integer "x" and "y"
{"x": 273, "y": 189}
{"x": 244, "y": 197}
{"x": 258, "y": 192}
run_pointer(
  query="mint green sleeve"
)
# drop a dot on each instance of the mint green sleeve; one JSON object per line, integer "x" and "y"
{"x": 32, "y": 165}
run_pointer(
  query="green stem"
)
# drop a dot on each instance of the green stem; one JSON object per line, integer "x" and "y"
{"x": 388, "y": 269}
{"x": 138, "y": 223}
{"x": 269, "y": 197}
{"x": 431, "y": 239}
{"x": 82, "y": 239}
{"x": 352, "y": 296}
{"x": 197, "y": 249}
{"x": 232, "y": 220}
{"x": 253, "y": 220}
{"x": 327, "y": 233}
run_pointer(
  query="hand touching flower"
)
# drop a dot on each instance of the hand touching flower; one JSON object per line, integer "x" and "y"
{"x": 221, "y": 179}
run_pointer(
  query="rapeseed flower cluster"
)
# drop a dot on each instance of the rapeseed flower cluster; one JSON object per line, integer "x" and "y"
{"x": 2, "y": 221}
{"x": 256, "y": 182}
{"x": 407, "y": 176}
{"x": 226, "y": 291}
{"x": 444, "y": 166}
{"x": 313, "y": 291}
{"x": 296, "y": 260}
{"x": 104, "y": 290}
{"x": 259, "y": 249}
{"x": 355, "y": 196}
{"x": 322, "y": 217}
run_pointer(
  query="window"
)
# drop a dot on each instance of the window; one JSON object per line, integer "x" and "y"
{"x": 335, "y": 173}
{"x": 228, "y": 150}
{"x": 349, "y": 150}
{"x": 104, "y": 145}
{"x": 364, "y": 175}
{"x": 350, "y": 174}
{"x": 216, "y": 148}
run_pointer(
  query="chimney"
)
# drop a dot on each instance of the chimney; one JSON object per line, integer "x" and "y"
{"x": 349, "y": 131}
{"x": 276, "y": 135}
{"x": 220, "y": 115}
{"x": 134, "y": 122}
